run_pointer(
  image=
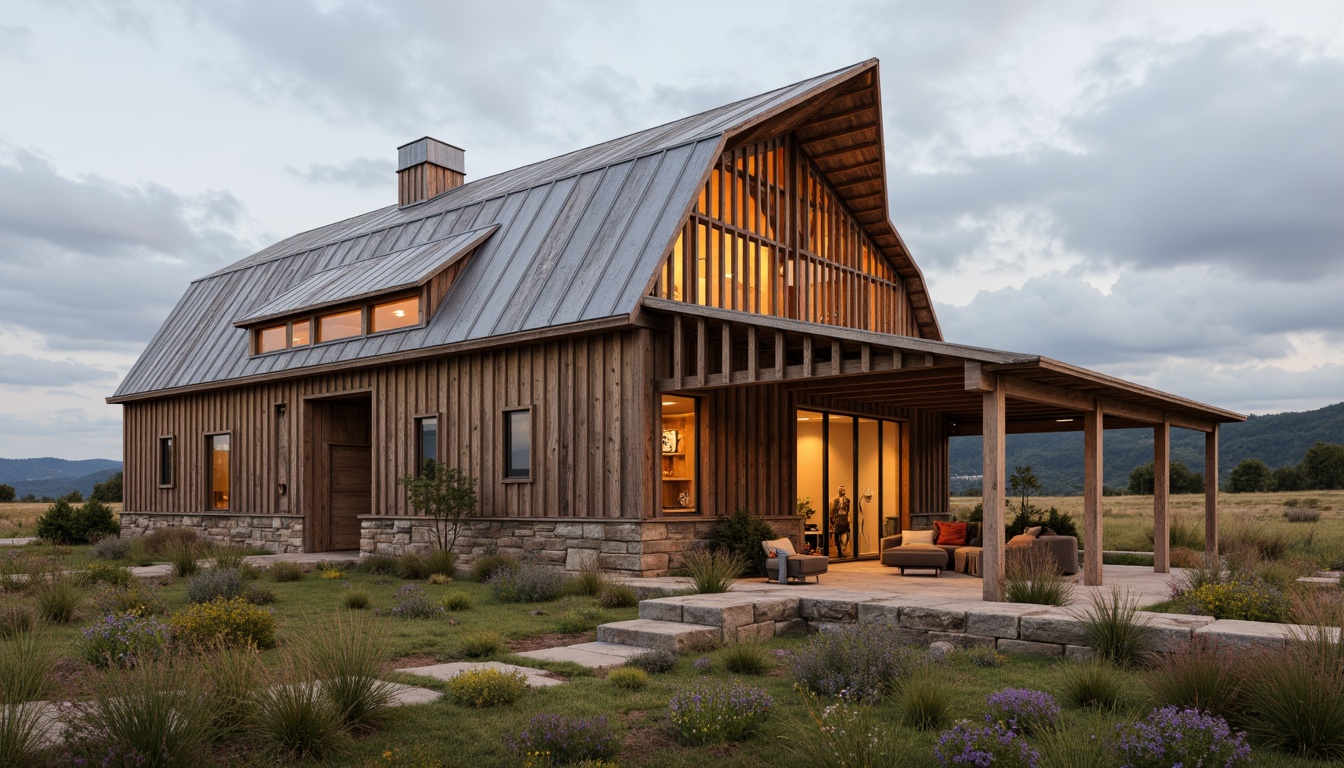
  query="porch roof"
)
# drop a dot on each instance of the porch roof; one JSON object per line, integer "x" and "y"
{"x": 844, "y": 364}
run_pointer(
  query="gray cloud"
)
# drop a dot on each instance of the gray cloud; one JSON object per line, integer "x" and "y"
{"x": 28, "y": 371}
{"x": 69, "y": 433}
{"x": 359, "y": 172}
{"x": 15, "y": 40}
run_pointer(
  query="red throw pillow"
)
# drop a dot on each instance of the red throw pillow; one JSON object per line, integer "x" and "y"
{"x": 951, "y": 534}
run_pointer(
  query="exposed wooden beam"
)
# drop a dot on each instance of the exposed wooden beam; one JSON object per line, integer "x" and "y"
{"x": 858, "y": 182}
{"x": 837, "y": 135}
{"x": 817, "y": 157}
{"x": 1211, "y": 494}
{"x": 842, "y": 115}
{"x": 993, "y": 405}
{"x": 1092, "y": 495}
{"x": 854, "y": 166}
{"x": 1162, "y": 498}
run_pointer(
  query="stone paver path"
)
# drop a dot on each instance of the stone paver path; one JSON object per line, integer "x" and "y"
{"x": 536, "y": 678}
{"x": 16, "y": 542}
{"x": 591, "y": 655}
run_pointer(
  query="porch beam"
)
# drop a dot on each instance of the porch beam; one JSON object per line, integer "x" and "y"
{"x": 779, "y": 355}
{"x": 1092, "y": 485}
{"x": 701, "y": 352}
{"x": 726, "y": 351}
{"x": 1162, "y": 498}
{"x": 753, "y": 354}
{"x": 1211, "y": 494}
{"x": 1020, "y": 427}
{"x": 678, "y": 353}
{"x": 994, "y": 408}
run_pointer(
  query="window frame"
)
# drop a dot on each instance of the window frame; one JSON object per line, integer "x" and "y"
{"x": 210, "y": 471}
{"x": 418, "y": 436}
{"x": 172, "y": 460}
{"x": 313, "y": 318}
{"x": 506, "y": 444}
{"x": 697, "y": 422}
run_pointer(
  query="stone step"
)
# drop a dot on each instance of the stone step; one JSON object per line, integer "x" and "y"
{"x": 591, "y": 655}
{"x": 672, "y": 636}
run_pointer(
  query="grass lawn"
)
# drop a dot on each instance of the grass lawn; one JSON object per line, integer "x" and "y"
{"x": 19, "y": 519}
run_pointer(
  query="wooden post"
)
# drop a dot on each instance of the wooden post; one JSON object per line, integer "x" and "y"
{"x": 1162, "y": 496}
{"x": 994, "y": 526}
{"x": 1092, "y": 483}
{"x": 1211, "y": 494}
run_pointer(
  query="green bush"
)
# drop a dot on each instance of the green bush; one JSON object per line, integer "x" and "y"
{"x": 486, "y": 687}
{"x": 926, "y": 699}
{"x": 456, "y": 601}
{"x": 746, "y": 659}
{"x": 225, "y": 623}
{"x": 282, "y": 572}
{"x": 441, "y": 561}
{"x": 617, "y": 596}
{"x": 629, "y": 678}
{"x": 379, "y": 565}
{"x": 478, "y": 645}
{"x": 528, "y": 583}
{"x": 215, "y": 584}
{"x": 714, "y": 571}
{"x": 1092, "y": 684}
{"x": 483, "y": 567}
{"x": 413, "y": 567}
{"x": 111, "y": 548}
{"x": 356, "y": 599}
{"x": 1060, "y": 522}
{"x": 106, "y": 573}
{"x": 709, "y": 712}
{"x": 1245, "y": 600}
{"x": 655, "y": 662}
{"x": 125, "y": 639}
{"x": 64, "y": 524}
{"x": 741, "y": 534}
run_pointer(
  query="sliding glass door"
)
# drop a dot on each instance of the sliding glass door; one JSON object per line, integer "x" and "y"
{"x": 848, "y": 481}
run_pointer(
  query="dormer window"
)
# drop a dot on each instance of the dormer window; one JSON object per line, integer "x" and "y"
{"x": 401, "y": 313}
{"x": 339, "y": 325}
{"x": 344, "y": 323}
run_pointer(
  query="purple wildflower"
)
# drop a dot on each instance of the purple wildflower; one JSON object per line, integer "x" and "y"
{"x": 1186, "y": 737}
{"x": 1022, "y": 709}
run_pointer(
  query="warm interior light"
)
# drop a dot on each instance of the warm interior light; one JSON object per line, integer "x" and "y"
{"x": 669, "y": 402}
{"x": 804, "y": 418}
{"x": 400, "y": 313}
{"x": 1063, "y": 421}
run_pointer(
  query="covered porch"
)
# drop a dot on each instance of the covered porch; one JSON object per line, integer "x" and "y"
{"x": 940, "y": 390}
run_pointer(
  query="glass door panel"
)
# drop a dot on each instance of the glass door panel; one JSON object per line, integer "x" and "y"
{"x": 811, "y": 485}
{"x": 868, "y": 461}
{"x": 840, "y": 472}
{"x": 891, "y": 478}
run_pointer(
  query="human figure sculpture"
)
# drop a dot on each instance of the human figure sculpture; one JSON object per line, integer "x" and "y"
{"x": 839, "y": 518}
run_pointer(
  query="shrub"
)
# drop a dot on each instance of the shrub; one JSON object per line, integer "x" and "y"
{"x": 438, "y": 579}
{"x": 281, "y": 572}
{"x": 227, "y": 556}
{"x": 483, "y": 567}
{"x": 16, "y": 618}
{"x": 1301, "y": 515}
{"x": 412, "y": 567}
{"x": 111, "y": 548}
{"x": 331, "y": 574}
{"x": 1060, "y": 522}
{"x": 655, "y": 662}
{"x": 107, "y": 573}
{"x": 183, "y": 556}
{"x": 1032, "y": 576}
{"x": 971, "y": 744}
{"x": 564, "y": 740}
{"x": 160, "y": 540}
{"x": 25, "y": 669}
{"x": 926, "y": 699}
{"x": 745, "y": 659}
{"x": 152, "y": 715}
{"x": 441, "y": 561}
{"x": 528, "y": 583}
{"x": 1201, "y": 676}
{"x": 410, "y": 602}
{"x": 486, "y": 687}
{"x": 356, "y": 599}
{"x": 348, "y": 659}
{"x": 454, "y": 602}
{"x": 63, "y": 524}
{"x": 703, "y": 665}
{"x": 214, "y": 585}
{"x": 1297, "y": 696}
{"x": 225, "y": 623}
{"x": 140, "y": 597}
{"x": 1184, "y": 557}
{"x": 1022, "y": 710}
{"x": 478, "y": 645}
{"x": 257, "y": 594}
{"x": 295, "y": 719}
{"x": 1173, "y": 736}
{"x": 860, "y": 661}
{"x": 588, "y": 581}
{"x": 741, "y": 534}
{"x": 713, "y": 571}
{"x": 123, "y": 639}
{"x": 1245, "y": 534}
{"x": 1237, "y": 599}
{"x": 579, "y": 619}
{"x": 381, "y": 565}
{"x": 982, "y": 656}
{"x": 58, "y": 596}
{"x": 710, "y": 712}
{"x": 1186, "y": 532}
{"x": 1113, "y": 628}
{"x": 847, "y": 735}
{"x": 629, "y": 678}
{"x": 1092, "y": 684}
{"x": 617, "y": 596}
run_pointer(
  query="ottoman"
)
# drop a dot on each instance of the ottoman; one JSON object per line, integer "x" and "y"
{"x": 925, "y": 557}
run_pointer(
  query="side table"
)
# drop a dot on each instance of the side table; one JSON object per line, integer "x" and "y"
{"x": 966, "y": 560}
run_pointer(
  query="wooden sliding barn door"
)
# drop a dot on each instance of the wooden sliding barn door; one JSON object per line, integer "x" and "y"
{"x": 349, "y": 491}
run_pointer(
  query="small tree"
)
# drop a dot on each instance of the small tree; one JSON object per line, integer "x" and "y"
{"x": 1290, "y": 478}
{"x": 1250, "y": 476}
{"x": 1324, "y": 466}
{"x": 108, "y": 491}
{"x": 6, "y": 492}
{"x": 74, "y": 497}
{"x": 446, "y": 494}
{"x": 1023, "y": 482}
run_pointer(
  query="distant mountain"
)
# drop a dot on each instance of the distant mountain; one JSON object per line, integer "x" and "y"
{"x": 1057, "y": 458}
{"x": 55, "y": 477}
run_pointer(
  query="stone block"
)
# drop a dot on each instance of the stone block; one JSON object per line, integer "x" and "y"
{"x": 569, "y": 530}
{"x": 653, "y": 563}
{"x": 660, "y": 609}
{"x": 623, "y": 531}
{"x": 1079, "y": 653}
{"x": 776, "y": 609}
{"x": 991, "y": 625}
{"x": 619, "y": 562}
{"x": 580, "y": 559}
{"x": 932, "y": 619}
{"x": 790, "y": 627}
{"x": 827, "y": 609}
{"x": 880, "y": 612}
{"x": 815, "y": 627}
{"x": 754, "y": 633}
{"x": 1055, "y": 627}
{"x": 960, "y": 640}
{"x": 653, "y": 532}
{"x": 1244, "y": 635}
{"x": 1024, "y": 646}
{"x": 663, "y": 545}
{"x": 594, "y": 531}
{"x": 726, "y": 617}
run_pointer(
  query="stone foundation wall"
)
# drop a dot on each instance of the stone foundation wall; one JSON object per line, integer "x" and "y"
{"x": 624, "y": 547}
{"x": 278, "y": 533}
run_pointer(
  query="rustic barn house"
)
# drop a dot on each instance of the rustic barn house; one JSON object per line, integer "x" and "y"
{"x": 622, "y": 344}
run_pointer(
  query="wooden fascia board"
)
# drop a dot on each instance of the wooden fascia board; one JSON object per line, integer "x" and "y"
{"x": 582, "y": 328}
{"x": 1213, "y": 413}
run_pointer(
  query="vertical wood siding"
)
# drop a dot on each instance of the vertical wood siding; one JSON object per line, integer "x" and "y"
{"x": 588, "y": 396}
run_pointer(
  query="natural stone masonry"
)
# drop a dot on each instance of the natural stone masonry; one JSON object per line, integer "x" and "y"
{"x": 278, "y": 533}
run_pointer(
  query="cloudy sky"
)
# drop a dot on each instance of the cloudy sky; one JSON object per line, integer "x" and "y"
{"x": 1154, "y": 190}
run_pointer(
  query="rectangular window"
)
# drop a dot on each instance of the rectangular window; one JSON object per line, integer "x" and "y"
{"x": 400, "y": 313}
{"x": 271, "y": 339}
{"x": 518, "y": 445}
{"x": 341, "y": 325}
{"x": 679, "y": 464}
{"x": 218, "y": 480}
{"x": 426, "y": 443}
{"x": 166, "y": 461}
{"x": 300, "y": 333}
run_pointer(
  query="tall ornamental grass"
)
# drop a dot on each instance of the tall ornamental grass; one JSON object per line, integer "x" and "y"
{"x": 1114, "y": 629}
{"x": 1032, "y": 576}
{"x": 25, "y": 669}
{"x": 713, "y": 571}
{"x": 348, "y": 660}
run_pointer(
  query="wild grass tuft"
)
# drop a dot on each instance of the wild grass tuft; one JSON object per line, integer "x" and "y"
{"x": 356, "y": 599}
{"x": 926, "y": 699}
{"x": 1092, "y": 683}
{"x": 155, "y": 710}
{"x": 282, "y": 572}
{"x": 1297, "y": 693}
{"x": 479, "y": 645}
{"x": 1115, "y": 631}
{"x": 441, "y": 561}
{"x": 227, "y": 556}
{"x": 58, "y": 596}
{"x": 294, "y": 718}
{"x": 629, "y": 678}
{"x": 486, "y": 687}
{"x": 379, "y": 565}
{"x": 184, "y": 557}
{"x": 655, "y": 662}
{"x": 233, "y": 675}
{"x": 1249, "y": 535}
{"x": 160, "y": 540}
{"x": 579, "y": 619}
{"x": 454, "y": 602}
{"x": 348, "y": 662}
{"x": 1201, "y": 676}
{"x": 1032, "y": 576}
{"x": 746, "y": 659}
{"x": 588, "y": 581}
{"x": 483, "y": 567}
{"x": 413, "y": 567}
{"x": 617, "y": 596}
{"x": 713, "y": 571}
{"x": 17, "y": 617}
{"x": 25, "y": 669}
{"x": 1302, "y": 515}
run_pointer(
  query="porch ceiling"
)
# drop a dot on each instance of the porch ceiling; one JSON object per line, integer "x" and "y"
{"x": 715, "y": 348}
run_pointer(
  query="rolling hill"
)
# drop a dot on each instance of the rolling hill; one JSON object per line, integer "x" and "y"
{"x": 53, "y": 477}
{"x": 1057, "y": 458}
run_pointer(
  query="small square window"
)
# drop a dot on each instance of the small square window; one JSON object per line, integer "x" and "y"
{"x": 518, "y": 445}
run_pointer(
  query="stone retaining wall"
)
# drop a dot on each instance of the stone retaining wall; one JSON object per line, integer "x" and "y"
{"x": 1008, "y": 627}
{"x": 278, "y": 533}
{"x": 622, "y": 547}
